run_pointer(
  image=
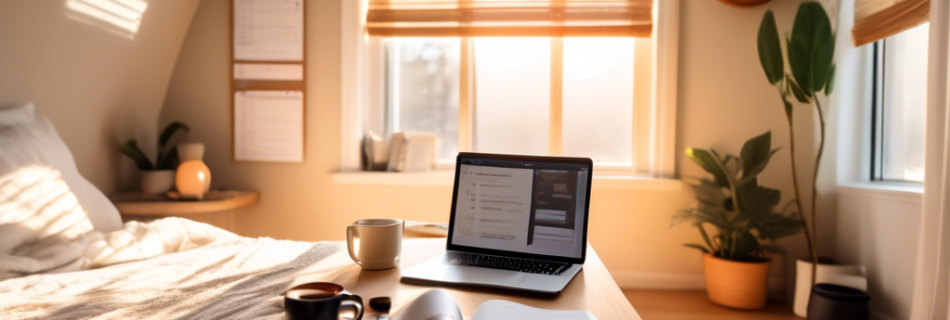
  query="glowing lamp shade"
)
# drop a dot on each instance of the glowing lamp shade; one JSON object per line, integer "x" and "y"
{"x": 193, "y": 178}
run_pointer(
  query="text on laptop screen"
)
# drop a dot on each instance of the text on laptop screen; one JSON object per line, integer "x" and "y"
{"x": 527, "y": 207}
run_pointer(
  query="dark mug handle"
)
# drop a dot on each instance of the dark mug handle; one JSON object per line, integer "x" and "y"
{"x": 353, "y": 302}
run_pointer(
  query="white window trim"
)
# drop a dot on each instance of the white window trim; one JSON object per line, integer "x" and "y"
{"x": 660, "y": 134}
{"x": 852, "y": 102}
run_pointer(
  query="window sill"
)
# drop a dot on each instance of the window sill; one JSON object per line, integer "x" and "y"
{"x": 447, "y": 178}
{"x": 885, "y": 190}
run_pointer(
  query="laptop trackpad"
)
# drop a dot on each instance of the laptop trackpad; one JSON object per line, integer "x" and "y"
{"x": 482, "y": 275}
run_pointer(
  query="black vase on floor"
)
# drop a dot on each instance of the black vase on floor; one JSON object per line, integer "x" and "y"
{"x": 831, "y": 301}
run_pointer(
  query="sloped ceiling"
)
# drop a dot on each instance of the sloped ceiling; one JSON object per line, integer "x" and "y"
{"x": 97, "y": 80}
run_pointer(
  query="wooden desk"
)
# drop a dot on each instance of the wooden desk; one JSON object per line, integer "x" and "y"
{"x": 592, "y": 289}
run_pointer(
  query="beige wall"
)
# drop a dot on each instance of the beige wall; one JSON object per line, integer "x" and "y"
{"x": 98, "y": 87}
{"x": 723, "y": 100}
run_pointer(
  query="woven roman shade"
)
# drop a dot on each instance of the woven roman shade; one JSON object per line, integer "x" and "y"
{"x": 518, "y": 18}
{"x": 878, "y": 19}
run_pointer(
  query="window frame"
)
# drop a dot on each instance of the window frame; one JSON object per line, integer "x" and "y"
{"x": 654, "y": 126}
{"x": 878, "y": 105}
{"x": 877, "y": 111}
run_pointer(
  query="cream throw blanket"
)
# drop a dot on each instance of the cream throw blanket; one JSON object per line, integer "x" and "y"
{"x": 167, "y": 269}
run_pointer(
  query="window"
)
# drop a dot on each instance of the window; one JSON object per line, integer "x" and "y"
{"x": 900, "y": 97}
{"x": 539, "y": 96}
{"x": 422, "y": 89}
{"x": 591, "y": 78}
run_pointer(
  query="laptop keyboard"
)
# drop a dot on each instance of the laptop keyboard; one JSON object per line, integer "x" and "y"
{"x": 505, "y": 263}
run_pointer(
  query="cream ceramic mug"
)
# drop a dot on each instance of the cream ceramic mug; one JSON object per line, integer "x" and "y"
{"x": 380, "y": 245}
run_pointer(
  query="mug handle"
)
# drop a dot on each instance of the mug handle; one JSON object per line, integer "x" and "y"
{"x": 353, "y": 302}
{"x": 350, "y": 230}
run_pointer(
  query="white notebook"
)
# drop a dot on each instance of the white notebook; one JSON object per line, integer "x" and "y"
{"x": 507, "y": 310}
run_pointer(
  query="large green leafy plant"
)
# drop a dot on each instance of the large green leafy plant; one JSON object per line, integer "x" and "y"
{"x": 810, "y": 49}
{"x": 734, "y": 203}
{"x": 167, "y": 155}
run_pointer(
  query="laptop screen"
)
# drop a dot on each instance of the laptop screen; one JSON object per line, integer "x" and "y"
{"x": 525, "y": 206}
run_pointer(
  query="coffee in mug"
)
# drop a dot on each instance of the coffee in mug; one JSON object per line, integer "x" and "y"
{"x": 320, "y": 301}
{"x": 380, "y": 245}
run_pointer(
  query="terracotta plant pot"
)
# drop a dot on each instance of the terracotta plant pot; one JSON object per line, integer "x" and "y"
{"x": 741, "y": 285}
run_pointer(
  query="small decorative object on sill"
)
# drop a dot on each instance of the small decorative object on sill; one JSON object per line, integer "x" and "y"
{"x": 413, "y": 151}
{"x": 375, "y": 152}
{"x": 160, "y": 177}
{"x": 193, "y": 178}
{"x": 834, "y": 302}
{"x": 810, "y": 52}
{"x": 736, "y": 262}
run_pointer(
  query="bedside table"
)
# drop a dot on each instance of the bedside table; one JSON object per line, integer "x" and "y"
{"x": 217, "y": 207}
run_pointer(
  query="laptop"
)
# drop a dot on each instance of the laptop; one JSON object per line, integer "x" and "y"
{"x": 517, "y": 222}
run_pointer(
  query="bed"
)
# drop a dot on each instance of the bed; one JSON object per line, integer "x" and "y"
{"x": 168, "y": 276}
{"x": 65, "y": 254}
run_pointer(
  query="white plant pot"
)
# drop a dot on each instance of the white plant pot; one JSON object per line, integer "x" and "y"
{"x": 849, "y": 276}
{"x": 157, "y": 181}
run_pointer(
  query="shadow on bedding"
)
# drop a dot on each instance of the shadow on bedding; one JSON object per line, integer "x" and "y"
{"x": 242, "y": 294}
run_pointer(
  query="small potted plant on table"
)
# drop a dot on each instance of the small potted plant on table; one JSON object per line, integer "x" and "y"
{"x": 735, "y": 259}
{"x": 160, "y": 177}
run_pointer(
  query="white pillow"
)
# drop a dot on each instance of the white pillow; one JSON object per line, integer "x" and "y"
{"x": 16, "y": 114}
{"x": 33, "y": 142}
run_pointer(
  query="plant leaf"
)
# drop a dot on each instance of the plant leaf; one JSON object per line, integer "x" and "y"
{"x": 746, "y": 245}
{"x": 757, "y": 202}
{"x": 709, "y": 193}
{"x": 823, "y": 51}
{"x": 797, "y": 91}
{"x": 169, "y": 132}
{"x": 697, "y": 246}
{"x": 702, "y": 231}
{"x": 131, "y": 150}
{"x": 831, "y": 81}
{"x": 755, "y": 153}
{"x": 168, "y": 161}
{"x": 747, "y": 178}
{"x": 706, "y": 161}
{"x": 774, "y": 226}
{"x": 801, "y": 48}
{"x": 770, "y": 50}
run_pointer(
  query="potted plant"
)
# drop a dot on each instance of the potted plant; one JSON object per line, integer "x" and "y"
{"x": 810, "y": 53}
{"x": 160, "y": 177}
{"x": 743, "y": 212}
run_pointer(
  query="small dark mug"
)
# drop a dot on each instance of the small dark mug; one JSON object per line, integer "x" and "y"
{"x": 320, "y": 301}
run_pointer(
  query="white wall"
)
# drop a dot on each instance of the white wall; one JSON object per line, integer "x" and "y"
{"x": 98, "y": 87}
{"x": 879, "y": 229}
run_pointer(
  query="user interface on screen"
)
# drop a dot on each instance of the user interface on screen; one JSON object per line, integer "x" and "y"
{"x": 527, "y": 207}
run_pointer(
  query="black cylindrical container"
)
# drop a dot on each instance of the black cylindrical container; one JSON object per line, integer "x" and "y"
{"x": 834, "y": 302}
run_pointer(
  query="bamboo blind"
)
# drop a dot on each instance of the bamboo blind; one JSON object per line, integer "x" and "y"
{"x": 878, "y": 19}
{"x": 520, "y": 18}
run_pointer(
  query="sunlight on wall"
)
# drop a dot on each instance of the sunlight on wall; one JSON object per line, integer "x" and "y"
{"x": 122, "y": 17}
{"x": 37, "y": 199}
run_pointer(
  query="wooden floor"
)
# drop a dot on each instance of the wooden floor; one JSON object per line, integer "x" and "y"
{"x": 688, "y": 305}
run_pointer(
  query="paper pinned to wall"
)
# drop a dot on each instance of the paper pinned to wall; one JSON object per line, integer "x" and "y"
{"x": 268, "y": 30}
{"x": 268, "y": 126}
{"x": 268, "y": 71}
